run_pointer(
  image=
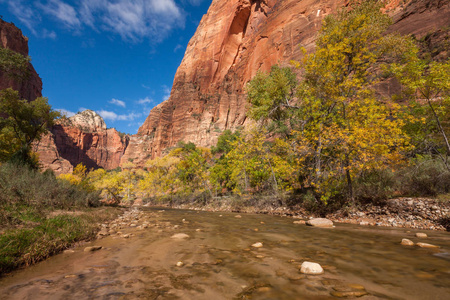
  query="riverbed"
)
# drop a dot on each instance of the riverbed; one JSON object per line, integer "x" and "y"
{"x": 185, "y": 254}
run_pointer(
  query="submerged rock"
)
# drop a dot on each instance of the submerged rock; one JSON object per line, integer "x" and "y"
{"x": 180, "y": 236}
{"x": 301, "y": 222}
{"x": 92, "y": 248}
{"x": 425, "y": 245}
{"x": 421, "y": 235}
{"x": 320, "y": 222}
{"x": 257, "y": 245}
{"x": 311, "y": 268}
{"x": 406, "y": 242}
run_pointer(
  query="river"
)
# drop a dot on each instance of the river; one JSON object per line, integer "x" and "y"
{"x": 217, "y": 261}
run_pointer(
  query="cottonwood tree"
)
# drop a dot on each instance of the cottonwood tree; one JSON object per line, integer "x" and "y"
{"x": 341, "y": 129}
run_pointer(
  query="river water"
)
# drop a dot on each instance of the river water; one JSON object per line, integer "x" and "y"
{"x": 219, "y": 262}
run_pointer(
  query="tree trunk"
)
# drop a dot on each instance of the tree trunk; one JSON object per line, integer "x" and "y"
{"x": 440, "y": 126}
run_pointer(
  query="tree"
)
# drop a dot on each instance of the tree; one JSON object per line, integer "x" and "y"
{"x": 272, "y": 95}
{"x": 22, "y": 123}
{"x": 341, "y": 129}
{"x": 428, "y": 84}
{"x": 14, "y": 64}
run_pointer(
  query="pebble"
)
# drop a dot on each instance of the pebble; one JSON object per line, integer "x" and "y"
{"x": 348, "y": 294}
{"x": 238, "y": 216}
{"x": 92, "y": 248}
{"x": 126, "y": 236}
{"x": 425, "y": 245}
{"x": 301, "y": 222}
{"x": 180, "y": 264}
{"x": 320, "y": 222}
{"x": 257, "y": 245}
{"x": 406, "y": 242}
{"x": 311, "y": 268}
{"x": 421, "y": 235}
{"x": 364, "y": 223}
{"x": 180, "y": 236}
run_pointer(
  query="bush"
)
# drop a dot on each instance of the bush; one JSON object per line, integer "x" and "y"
{"x": 375, "y": 186}
{"x": 425, "y": 177}
{"x": 25, "y": 193}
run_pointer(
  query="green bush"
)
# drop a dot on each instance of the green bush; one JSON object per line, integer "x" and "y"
{"x": 26, "y": 194}
{"x": 425, "y": 177}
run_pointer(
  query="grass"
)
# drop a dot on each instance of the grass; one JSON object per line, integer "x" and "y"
{"x": 25, "y": 246}
{"x": 41, "y": 216}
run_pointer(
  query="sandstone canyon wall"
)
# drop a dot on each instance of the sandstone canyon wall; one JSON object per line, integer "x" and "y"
{"x": 12, "y": 38}
{"x": 234, "y": 40}
{"x": 82, "y": 138}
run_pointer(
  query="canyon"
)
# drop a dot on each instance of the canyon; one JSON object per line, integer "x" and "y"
{"x": 234, "y": 40}
{"x": 238, "y": 38}
{"x": 12, "y": 38}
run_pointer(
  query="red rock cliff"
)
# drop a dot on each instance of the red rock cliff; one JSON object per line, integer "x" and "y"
{"x": 12, "y": 38}
{"x": 82, "y": 138}
{"x": 234, "y": 40}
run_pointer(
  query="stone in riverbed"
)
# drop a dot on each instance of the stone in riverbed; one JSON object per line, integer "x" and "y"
{"x": 311, "y": 268}
{"x": 257, "y": 245}
{"x": 92, "y": 248}
{"x": 301, "y": 222}
{"x": 406, "y": 242}
{"x": 180, "y": 264}
{"x": 425, "y": 245}
{"x": 421, "y": 235}
{"x": 180, "y": 236}
{"x": 320, "y": 222}
{"x": 348, "y": 294}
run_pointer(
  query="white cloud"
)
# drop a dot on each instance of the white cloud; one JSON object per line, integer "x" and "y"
{"x": 66, "y": 112}
{"x": 118, "y": 102}
{"x": 195, "y": 2}
{"x": 177, "y": 47}
{"x": 144, "y": 101}
{"x": 49, "y": 34}
{"x": 133, "y": 19}
{"x": 62, "y": 11}
{"x": 112, "y": 116}
{"x": 166, "y": 91}
{"x": 26, "y": 14}
{"x": 145, "y": 86}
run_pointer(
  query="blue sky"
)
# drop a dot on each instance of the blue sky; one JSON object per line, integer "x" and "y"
{"x": 116, "y": 57}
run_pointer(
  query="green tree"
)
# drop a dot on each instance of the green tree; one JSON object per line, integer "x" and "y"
{"x": 14, "y": 64}
{"x": 22, "y": 123}
{"x": 341, "y": 129}
{"x": 428, "y": 85}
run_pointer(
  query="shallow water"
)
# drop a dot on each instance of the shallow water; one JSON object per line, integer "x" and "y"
{"x": 219, "y": 262}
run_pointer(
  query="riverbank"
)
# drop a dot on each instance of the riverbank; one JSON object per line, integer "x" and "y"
{"x": 413, "y": 213}
{"x": 33, "y": 241}
{"x": 157, "y": 253}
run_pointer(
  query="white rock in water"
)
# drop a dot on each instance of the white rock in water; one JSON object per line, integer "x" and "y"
{"x": 92, "y": 248}
{"x": 320, "y": 222}
{"x": 421, "y": 235}
{"x": 425, "y": 245}
{"x": 180, "y": 264}
{"x": 311, "y": 268}
{"x": 406, "y": 242}
{"x": 180, "y": 236}
{"x": 257, "y": 245}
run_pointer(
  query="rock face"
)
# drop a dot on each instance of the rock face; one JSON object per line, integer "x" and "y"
{"x": 82, "y": 138}
{"x": 12, "y": 38}
{"x": 234, "y": 40}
